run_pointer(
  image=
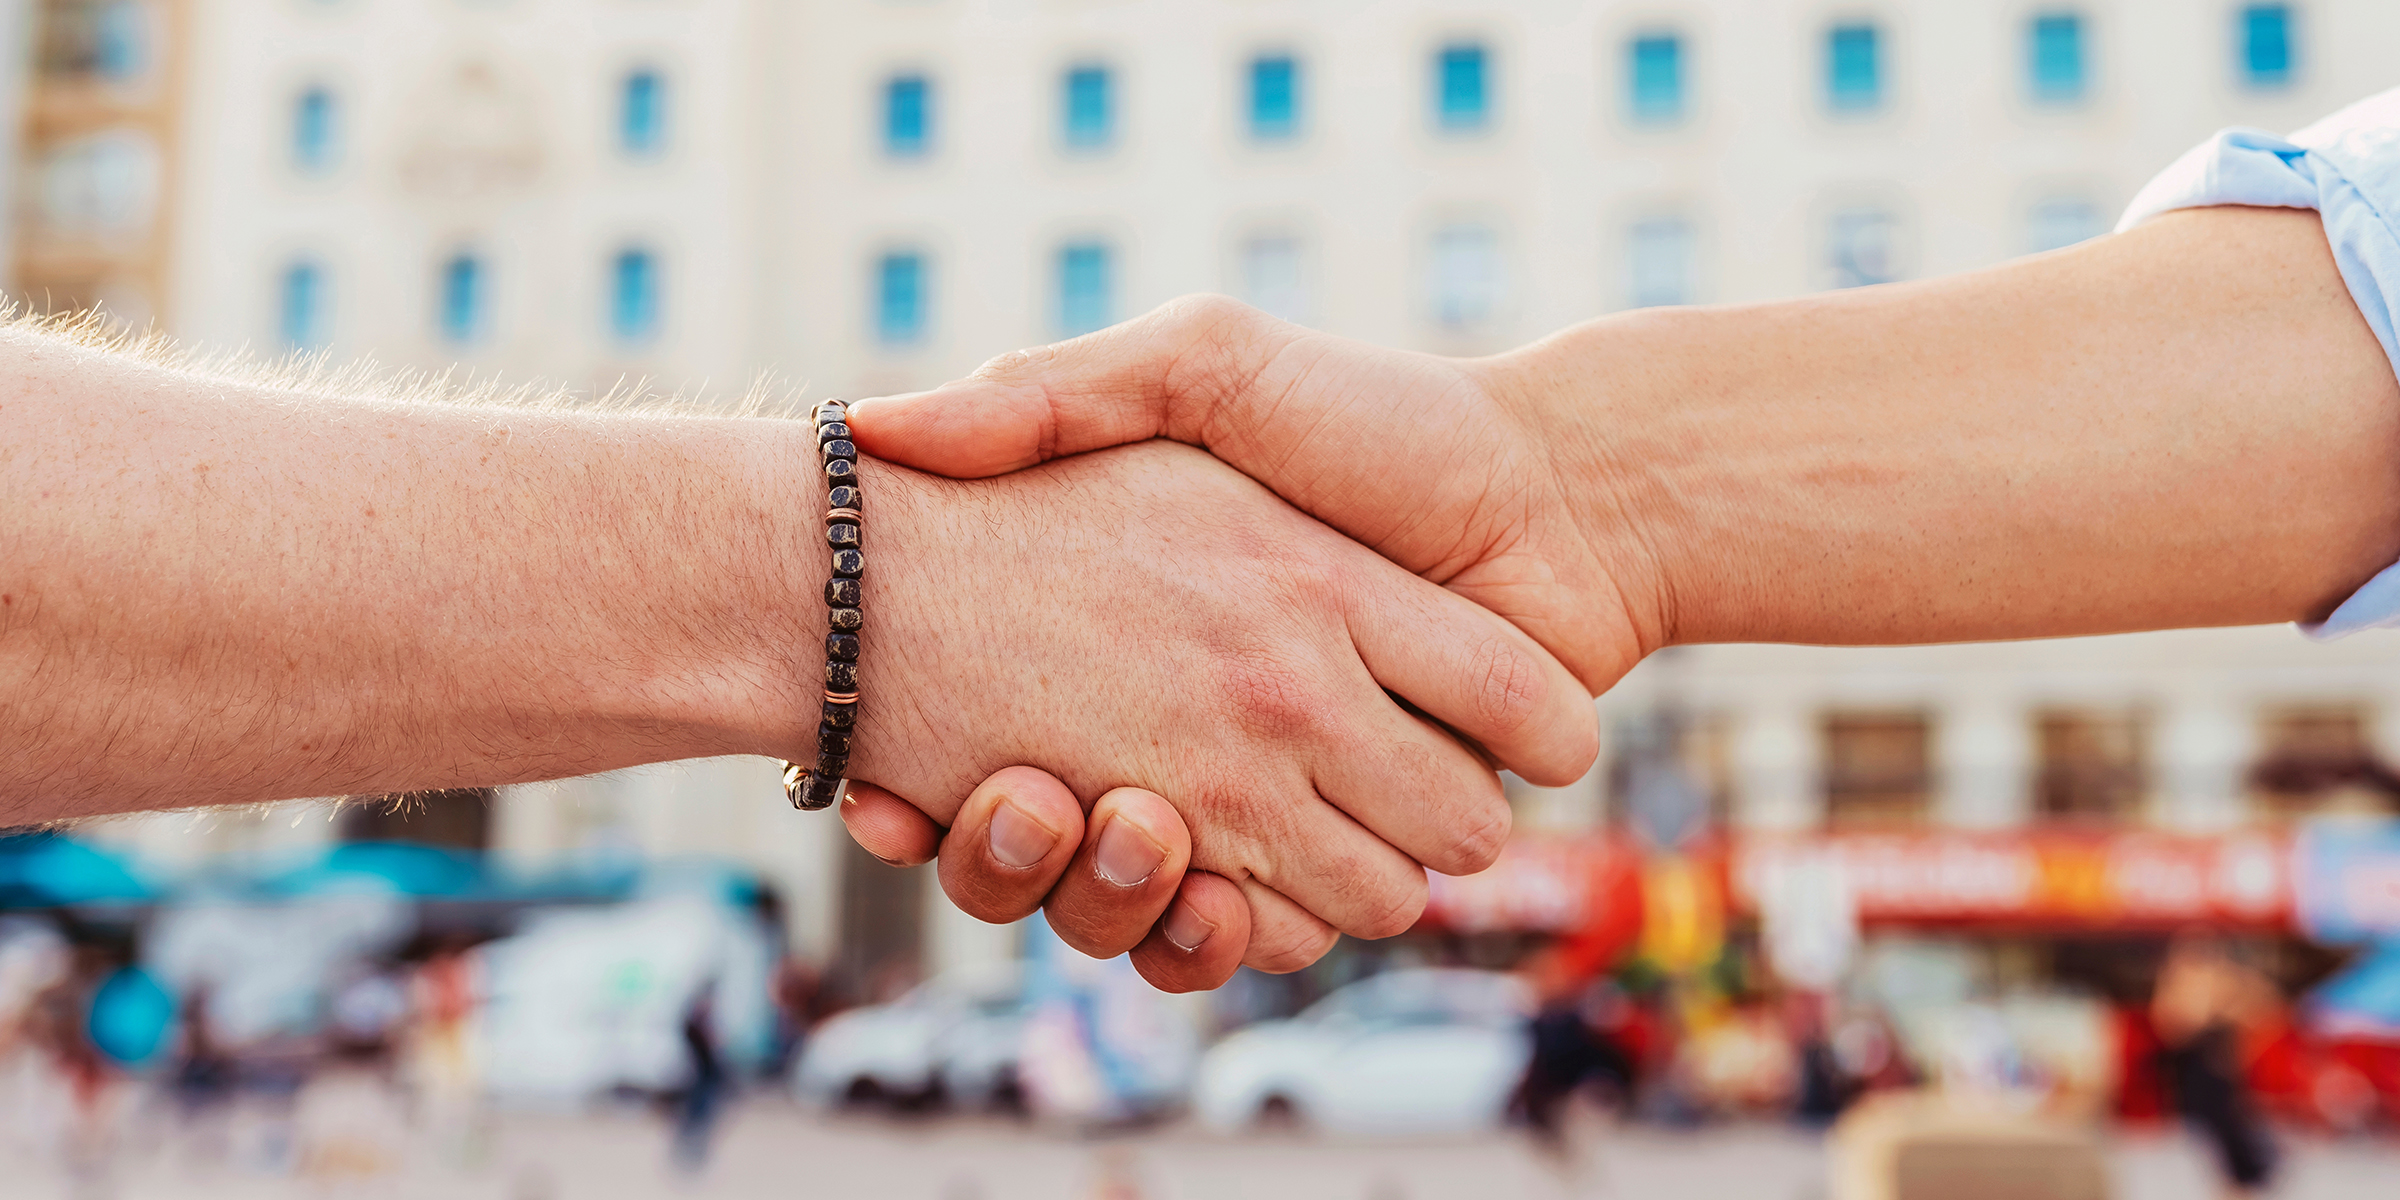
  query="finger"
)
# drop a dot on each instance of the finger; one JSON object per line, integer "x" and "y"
{"x": 889, "y": 827}
{"x": 1200, "y": 941}
{"x": 1467, "y": 668}
{"x": 1420, "y": 791}
{"x": 1159, "y": 373}
{"x": 1284, "y": 937}
{"x": 1317, "y": 857}
{"x": 1134, "y": 852}
{"x": 1014, "y": 837}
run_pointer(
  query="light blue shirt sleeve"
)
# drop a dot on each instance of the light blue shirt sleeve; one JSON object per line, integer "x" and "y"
{"x": 2347, "y": 167}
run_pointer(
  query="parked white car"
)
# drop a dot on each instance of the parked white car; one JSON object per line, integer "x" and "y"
{"x": 1407, "y": 1052}
{"x": 956, "y": 1036}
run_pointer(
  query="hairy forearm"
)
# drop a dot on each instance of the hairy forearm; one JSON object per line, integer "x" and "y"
{"x": 215, "y": 591}
{"x": 2185, "y": 425}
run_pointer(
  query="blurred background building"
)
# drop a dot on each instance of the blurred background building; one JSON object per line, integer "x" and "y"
{"x": 875, "y": 195}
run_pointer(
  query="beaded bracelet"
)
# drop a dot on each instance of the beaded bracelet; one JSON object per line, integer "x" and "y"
{"x": 826, "y": 785}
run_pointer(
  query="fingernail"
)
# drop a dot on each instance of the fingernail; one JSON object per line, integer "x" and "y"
{"x": 1127, "y": 855}
{"x": 1187, "y": 928}
{"x": 1017, "y": 839}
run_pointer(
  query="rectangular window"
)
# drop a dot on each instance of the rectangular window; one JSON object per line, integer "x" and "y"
{"x": 633, "y": 295}
{"x": 1089, "y": 109}
{"x": 1853, "y": 68}
{"x": 1654, "y": 75}
{"x": 316, "y": 130}
{"x": 907, "y": 116}
{"x": 1462, "y": 87}
{"x": 1272, "y": 279}
{"x": 1466, "y": 277}
{"x": 1878, "y": 768}
{"x": 1274, "y": 97}
{"x": 2058, "y": 223}
{"x": 1862, "y": 248}
{"x": 900, "y": 299}
{"x": 461, "y": 317}
{"x": 1658, "y": 258}
{"x": 302, "y": 320}
{"x": 2266, "y": 45}
{"x": 2091, "y": 766}
{"x": 2321, "y": 760}
{"x": 2054, "y": 67}
{"x": 642, "y": 114}
{"x": 1086, "y": 288}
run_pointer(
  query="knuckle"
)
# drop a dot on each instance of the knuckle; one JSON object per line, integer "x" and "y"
{"x": 1269, "y": 700}
{"x": 1398, "y": 915}
{"x": 1509, "y": 693}
{"x": 1480, "y": 840}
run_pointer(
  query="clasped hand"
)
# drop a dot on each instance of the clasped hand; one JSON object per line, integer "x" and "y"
{"x": 1353, "y": 693}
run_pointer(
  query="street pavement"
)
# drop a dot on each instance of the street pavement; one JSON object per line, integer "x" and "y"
{"x": 769, "y": 1149}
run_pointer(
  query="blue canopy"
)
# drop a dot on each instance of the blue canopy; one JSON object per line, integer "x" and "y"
{"x": 405, "y": 868}
{"x": 48, "y": 870}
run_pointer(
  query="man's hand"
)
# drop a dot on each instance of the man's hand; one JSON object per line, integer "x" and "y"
{"x": 1414, "y": 456}
{"x": 1433, "y": 463}
{"x": 1150, "y": 619}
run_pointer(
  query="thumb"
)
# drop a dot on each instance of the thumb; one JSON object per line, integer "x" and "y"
{"x": 1157, "y": 374}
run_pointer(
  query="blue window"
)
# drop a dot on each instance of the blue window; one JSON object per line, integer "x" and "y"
{"x": 907, "y": 116}
{"x": 1853, "y": 67}
{"x": 121, "y": 40}
{"x": 1274, "y": 97}
{"x": 1086, "y": 288}
{"x": 316, "y": 130}
{"x": 463, "y": 286}
{"x": 1462, "y": 99}
{"x": 2054, "y": 60}
{"x": 2266, "y": 45}
{"x": 900, "y": 299}
{"x": 633, "y": 295}
{"x": 302, "y": 317}
{"x": 1089, "y": 113}
{"x": 642, "y": 113}
{"x": 1654, "y": 78}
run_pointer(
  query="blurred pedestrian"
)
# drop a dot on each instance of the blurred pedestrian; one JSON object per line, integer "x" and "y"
{"x": 442, "y": 1056}
{"x": 2205, "y": 999}
{"x": 704, "y": 1082}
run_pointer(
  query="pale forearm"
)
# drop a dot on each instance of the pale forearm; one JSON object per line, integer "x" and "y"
{"x": 221, "y": 592}
{"x": 2186, "y": 425}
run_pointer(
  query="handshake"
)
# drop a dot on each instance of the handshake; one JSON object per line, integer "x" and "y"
{"x": 1207, "y": 632}
{"x": 1278, "y": 604}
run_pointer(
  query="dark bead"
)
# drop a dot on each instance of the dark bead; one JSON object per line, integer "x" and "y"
{"x": 833, "y": 741}
{"x": 848, "y": 564}
{"x": 828, "y": 413}
{"x": 831, "y": 430}
{"x": 815, "y": 793}
{"x": 842, "y": 647}
{"x": 833, "y": 766}
{"x": 841, "y": 716}
{"x": 847, "y": 620}
{"x": 839, "y": 448}
{"x": 841, "y": 471}
{"x": 845, "y": 496}
{"x": 841, "y": 676}
{"x": 841, "y": 534}
{"x": 841, "y": 593}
